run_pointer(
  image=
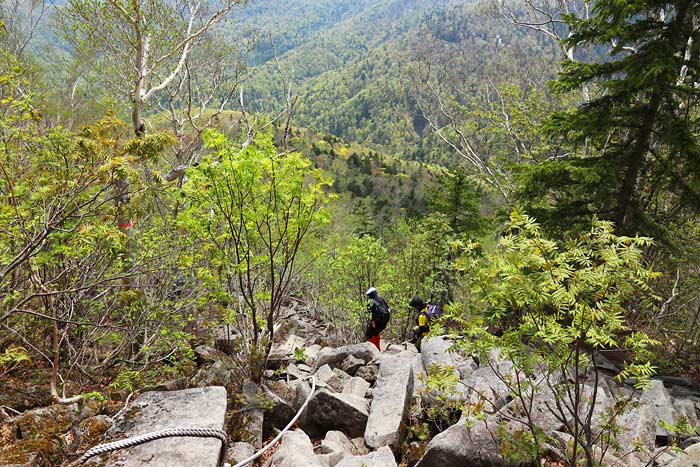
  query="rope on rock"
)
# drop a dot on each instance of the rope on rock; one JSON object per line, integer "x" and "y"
{"x": 286, "y": 428}
{"x": 194, "y": 432}
{"x": 145, "y": 438}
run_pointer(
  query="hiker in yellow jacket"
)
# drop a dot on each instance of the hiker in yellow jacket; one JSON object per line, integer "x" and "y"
{"x": 422, "y": 327}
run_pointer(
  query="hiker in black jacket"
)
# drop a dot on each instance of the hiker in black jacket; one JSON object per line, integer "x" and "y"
{"x": 379, "y": 316}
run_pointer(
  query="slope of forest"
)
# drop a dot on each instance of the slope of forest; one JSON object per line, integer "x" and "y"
{"x": 357, "y": 75}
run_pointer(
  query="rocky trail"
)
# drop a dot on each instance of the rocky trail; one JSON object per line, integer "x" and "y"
{"x": 357, "y": 415}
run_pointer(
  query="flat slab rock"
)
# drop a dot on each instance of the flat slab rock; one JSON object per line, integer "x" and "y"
{"x": 393, "y": 393}
{"x": 153, "y": 411}
{"x": 380, "y": 458}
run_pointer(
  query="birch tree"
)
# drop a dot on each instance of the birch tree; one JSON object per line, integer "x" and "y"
{"x": 139, "y": 48}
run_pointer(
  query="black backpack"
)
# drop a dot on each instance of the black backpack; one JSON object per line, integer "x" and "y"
{"x": 383, "y": 313}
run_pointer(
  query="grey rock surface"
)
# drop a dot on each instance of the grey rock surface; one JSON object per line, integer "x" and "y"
{"x": 339, "y": 442}
{"x": 290, "y": 345}
{"x": 351, "y": 364}
{"x": 254, "y": 416}
{"x": 368, "y": 372}
{"x": 326, "y": 375}
{"x": 342, "y": 378}
{"x": 486, "y": 384}
{"x": 294, "y": 372}
{"x": 277, "y": 413}
{"x": 541, "y": 403}
{"x": 312, "y": 352}
{"x": 381, "y": 458}
{"x": 239, "y": 451}
{"x": 334, "y": 357}
{"x": 342, "y": 412}
{"x": 638, "y": 427}
{"x": 153, "y": 411}
{"x": 690, "y": 457}
{"x": 391, "y": 400}
{"x": 659, "y": 401}
{"x": 459, "y": 445}
{"x": 356, "y": 386}
{"x": 295, "y": 451}
{"x": 434, "y": 351}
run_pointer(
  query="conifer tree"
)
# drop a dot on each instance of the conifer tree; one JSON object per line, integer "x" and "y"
{"x": 637, "y": 139}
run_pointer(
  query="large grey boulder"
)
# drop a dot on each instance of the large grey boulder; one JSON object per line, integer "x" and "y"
{"x": 283, "y": 354}
{"x": 302, "y": 392}
{"x": 538, "y": 405}
{"x": 380, "y": 458}
{"x": 419, "y": 375}
{"x": 660, "y": 403}
{"x": 486, "y": 383}
{"x": 342, "y": 378}
{"x": 295, "y": 450}
{"x": 334, "y": 357}
{"x": 435, "y": 351}
{"x": 638, "y": 429}
{"x": 277, "y": 413}
{"x": 338, "y": 441}
{"x": 344, "y": 412}
{"x": 685, "y": 408}
{"x": 287, "y": 348}
{"x": 312, "y": 352}
{"x": 463, "y": 446}
{"x": 473, "y": 441}
{"x": 153, "y": 411}
{"x": 296, "y": 371}
{"x": 391, "y": 400}
{"x": 329, "y": 378}
{"x": 604, "y": 404}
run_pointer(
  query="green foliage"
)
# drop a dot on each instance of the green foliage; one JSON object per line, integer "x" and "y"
{"x": 520, "y": 448}
{"x": 458, "y": 197}
{"x": 555, "y": 307}
{"x": 254, "y": 207}
{"x": 681, "y": 427}
{"x": 440, "y": 401}
{"x": 417, "y": 257}
{"x": 563, "y": 295}
{"x": 637, "y": 139}
{"x": 127, "y": 380}
{"x": 95, "y": 395}
{"x": 14, "y": 356}
{"x": 300, "y": 354}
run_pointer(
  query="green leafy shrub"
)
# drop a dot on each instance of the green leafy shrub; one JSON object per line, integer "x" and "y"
{"x": 550, "y": 309}
{"x": 14, "y": 356}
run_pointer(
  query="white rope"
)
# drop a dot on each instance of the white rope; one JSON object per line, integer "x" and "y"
{"x": 286, "y": 428}
{"x": 148, "y": 437}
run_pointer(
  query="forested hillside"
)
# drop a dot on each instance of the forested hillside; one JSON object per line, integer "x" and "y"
{"x": 396, "y": 232}
{"x": 358, "y": 76}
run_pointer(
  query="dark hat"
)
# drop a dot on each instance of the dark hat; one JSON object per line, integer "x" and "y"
{"x": 417, "y": 302}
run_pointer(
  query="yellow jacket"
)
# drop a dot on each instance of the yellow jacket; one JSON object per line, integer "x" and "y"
{"x": 423, "y": 317}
